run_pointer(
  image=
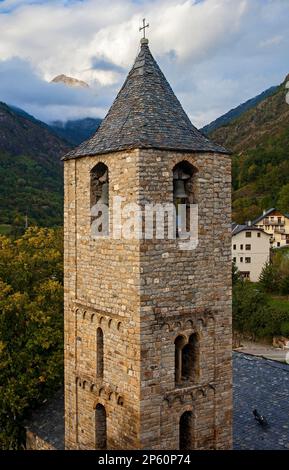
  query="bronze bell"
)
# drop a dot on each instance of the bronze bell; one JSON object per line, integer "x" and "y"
{"x": 179, "y": 191}
{"x": 104, "y": 194}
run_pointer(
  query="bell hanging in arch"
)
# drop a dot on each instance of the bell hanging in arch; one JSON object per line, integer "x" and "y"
{"x": 104, "y": 194}
{"x": 179, "y": 190}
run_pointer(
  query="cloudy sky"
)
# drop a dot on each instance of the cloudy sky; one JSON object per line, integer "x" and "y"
{"x": 215, "y": 53}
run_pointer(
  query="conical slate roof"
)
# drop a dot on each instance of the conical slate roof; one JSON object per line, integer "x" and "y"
{"x": 145, "y": 114}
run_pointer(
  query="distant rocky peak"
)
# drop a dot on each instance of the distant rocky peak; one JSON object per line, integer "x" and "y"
{"x": 69, "y": 81}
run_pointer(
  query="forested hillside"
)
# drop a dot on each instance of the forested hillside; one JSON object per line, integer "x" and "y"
{"x": 76, "y": 131}
{"x": 30, "y": 172}
{"x": 238, "y": 111}
{"x": 260, "y": 141}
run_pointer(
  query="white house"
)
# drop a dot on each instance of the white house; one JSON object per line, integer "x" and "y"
{"x": 250, "y": 250}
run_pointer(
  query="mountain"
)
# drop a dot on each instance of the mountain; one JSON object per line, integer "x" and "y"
{"x": 69, "y": 81}
{"x": 30, "y": 170}
{"x": 76, "y": 131}
{"x": 259, "y": 139}
{"x": 23, "y": 113}
{"x": 236, "y": 112}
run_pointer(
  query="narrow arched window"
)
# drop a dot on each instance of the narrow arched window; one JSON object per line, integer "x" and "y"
{"x": 100, "y": 428}
{"x": 99, "y": 200}
{"x": 190, "y": 359}
{"x": 179, "y": 344}
{"x": 99, "y": 352}
{"x": 186, "y": 360}
{"x": 185, "y": 194}
{"x": 186, "y": 431}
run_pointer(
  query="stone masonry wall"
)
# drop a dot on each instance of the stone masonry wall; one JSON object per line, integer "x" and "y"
{"x": 185, "y": 292}
{"x": 101, "y": 290}
{"x": 143, "y": 294}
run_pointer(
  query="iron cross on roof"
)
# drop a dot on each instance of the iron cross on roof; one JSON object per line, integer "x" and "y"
{"x": 144, "y": 27}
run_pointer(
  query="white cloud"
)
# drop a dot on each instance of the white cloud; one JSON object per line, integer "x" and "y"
{"x": 19, "y": 85}
{"x": 274, "y": 41}
{"x": 215, "y": 53}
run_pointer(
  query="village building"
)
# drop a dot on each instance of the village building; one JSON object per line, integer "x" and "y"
{"x": 250, "y": 250}
{"x": 276, "y": 224}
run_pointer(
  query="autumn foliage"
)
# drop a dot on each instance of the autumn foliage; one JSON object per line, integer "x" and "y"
{"x": 31, "y": 326}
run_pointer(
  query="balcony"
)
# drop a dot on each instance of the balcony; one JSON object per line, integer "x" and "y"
{"x": 274, "y": 223}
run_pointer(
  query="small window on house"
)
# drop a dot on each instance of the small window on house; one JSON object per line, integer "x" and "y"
{"x": 234, "y": 247}
{"x": 235, "y": 260}
{"x": 248, "y": 260}
{"x": 248, "y": 234}
{"x": 259, "y": 235}
{"x": 241, "y": 260}
{"x": 248, "y": 247}
{"x": 279, "y": 220}
{"x": 241, "y": 247}
{"x": 278, "y": 244}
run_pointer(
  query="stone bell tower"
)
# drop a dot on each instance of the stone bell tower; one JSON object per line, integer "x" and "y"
{"x": 147, "y": 324}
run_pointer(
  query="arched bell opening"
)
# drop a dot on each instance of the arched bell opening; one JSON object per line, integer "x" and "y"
{"x": 99, "y": 200}
{"x": 184, "y": 194}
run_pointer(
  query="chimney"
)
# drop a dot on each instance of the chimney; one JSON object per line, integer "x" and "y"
{"x": 264, "y": 212}
{"x": 249, "y": 223}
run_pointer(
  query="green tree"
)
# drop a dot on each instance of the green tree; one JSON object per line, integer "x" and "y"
{"x": 284, "y": 285}
{"x": 270, "y": 278}
{"x": 283, "y": 200}
{"x": 247, "y": 301}
{"x": 236, "y": 276}
{"x": 274, "y": 277}
{"x": 31, "y": 326}
{"x": 253, "y": 315}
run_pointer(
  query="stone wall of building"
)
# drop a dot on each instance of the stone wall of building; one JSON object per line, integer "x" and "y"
{"x": 185, "y": 292}
{"x": 101, "y": 291}
{"x": 143, "y": 294}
